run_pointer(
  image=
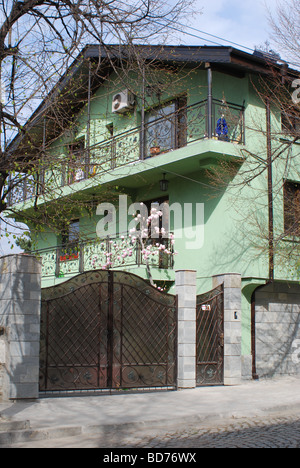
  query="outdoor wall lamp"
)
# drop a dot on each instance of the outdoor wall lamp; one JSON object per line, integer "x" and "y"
{"x": 164, "y": 184}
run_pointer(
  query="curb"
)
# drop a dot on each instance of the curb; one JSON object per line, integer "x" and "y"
{"x": 14, "y": 432}
{"x": 31, "y": 435}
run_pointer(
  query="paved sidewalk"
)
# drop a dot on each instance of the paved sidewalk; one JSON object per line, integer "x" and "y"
{"x": 67, "y": 416}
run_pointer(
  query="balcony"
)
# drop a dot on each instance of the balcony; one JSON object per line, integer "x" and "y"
{"x": 108, "y": 253}
{"x": 169, "y": 128}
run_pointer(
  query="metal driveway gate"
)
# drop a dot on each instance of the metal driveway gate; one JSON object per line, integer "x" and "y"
{"x": 210, "y": 338}
{"x": 107, "y": 330}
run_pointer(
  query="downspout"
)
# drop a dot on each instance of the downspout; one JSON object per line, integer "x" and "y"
{"x": 88, "y": 126}
{"x": 142, "y": 138}
{"x": 270, "y": 193}
{"x": 271, "y": 240}
{"x": 209, "y": 101}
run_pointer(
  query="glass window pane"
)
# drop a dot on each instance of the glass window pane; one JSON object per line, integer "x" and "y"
{"x": 74, "y": 231}
{"x": 160, "y": 129}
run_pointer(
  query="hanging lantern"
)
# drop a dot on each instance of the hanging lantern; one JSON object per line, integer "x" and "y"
{"x": 164, "y": 184}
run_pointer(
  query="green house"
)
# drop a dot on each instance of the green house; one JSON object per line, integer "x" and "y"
{"x": 183, "y": 129}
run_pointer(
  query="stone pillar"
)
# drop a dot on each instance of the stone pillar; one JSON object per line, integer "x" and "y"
{"x": 20, "y": 297}
{"x": 232, "y": 326}
{"x": 185, "y": 281}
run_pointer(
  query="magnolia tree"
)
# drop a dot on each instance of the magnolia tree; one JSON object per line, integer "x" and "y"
{"x": 149, "y": 238}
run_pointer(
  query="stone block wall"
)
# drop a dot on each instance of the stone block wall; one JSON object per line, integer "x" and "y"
{"x": 20, "y": 296}
{"x": 277, "y": 330}
{"x": 232, "y": 326}
{"x": 3, "y": 360}
{"x": 186, "y": 291}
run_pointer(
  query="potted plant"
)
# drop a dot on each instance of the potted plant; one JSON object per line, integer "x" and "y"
{"x": 155, "y": 146}
{"x": 154, "y": 150}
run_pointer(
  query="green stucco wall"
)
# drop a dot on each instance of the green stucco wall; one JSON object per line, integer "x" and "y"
{"x": 234, "y": 237}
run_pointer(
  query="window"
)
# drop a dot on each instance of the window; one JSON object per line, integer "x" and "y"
{"x": 292, "y": 208}
{"x": 165, "y": 128}
{"x": 76, "y": 166}
{"x": 70, "y": 239}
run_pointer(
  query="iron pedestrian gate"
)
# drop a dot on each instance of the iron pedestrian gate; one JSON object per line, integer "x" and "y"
{"x": 210, "y": 338}
{"x": 107, "y": 330}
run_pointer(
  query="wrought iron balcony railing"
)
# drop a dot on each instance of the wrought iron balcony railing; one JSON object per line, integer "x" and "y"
{"x": 109, "y": 253}
{"x": 214, "y": 119}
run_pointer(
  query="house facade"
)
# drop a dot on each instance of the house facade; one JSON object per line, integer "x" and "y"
{"x": 184, "y": 133}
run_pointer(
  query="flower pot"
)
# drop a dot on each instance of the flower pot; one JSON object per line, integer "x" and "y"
{"x": 66, "y": 258}
{"x": 154, "y": 150}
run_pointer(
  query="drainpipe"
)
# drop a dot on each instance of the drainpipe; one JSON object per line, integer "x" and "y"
{"x": 88, "y": 126}
{"x": 271, "y": 239}
{"x": 270, "y": 193}
{"x": 209, "y": 101}
{"x": 142, "y": 138}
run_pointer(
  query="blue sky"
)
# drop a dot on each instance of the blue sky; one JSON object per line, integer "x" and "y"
{"x": 239, "y": 21}
{"x": 243, "y": 22}
{"x": 5, "y": 244}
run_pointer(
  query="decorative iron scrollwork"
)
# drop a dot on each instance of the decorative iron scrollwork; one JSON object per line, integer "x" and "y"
{"x": 107, "y": 329}
{"x": 210, "y": 338}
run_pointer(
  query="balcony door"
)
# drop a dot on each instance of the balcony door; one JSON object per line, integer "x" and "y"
{"x": 77, "y": 162}
{"x": 165, "y": 128}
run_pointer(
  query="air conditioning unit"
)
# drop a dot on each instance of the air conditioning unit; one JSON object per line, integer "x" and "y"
{"x": 122, "y": 102}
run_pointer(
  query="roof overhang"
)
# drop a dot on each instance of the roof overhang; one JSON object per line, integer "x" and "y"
{"x": 70, "y": 93}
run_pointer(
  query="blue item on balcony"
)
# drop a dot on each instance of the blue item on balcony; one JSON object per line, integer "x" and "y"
{"x": 222, "y": 127}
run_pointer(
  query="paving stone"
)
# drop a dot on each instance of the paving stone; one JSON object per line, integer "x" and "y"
{"x": 270, "y": 431}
